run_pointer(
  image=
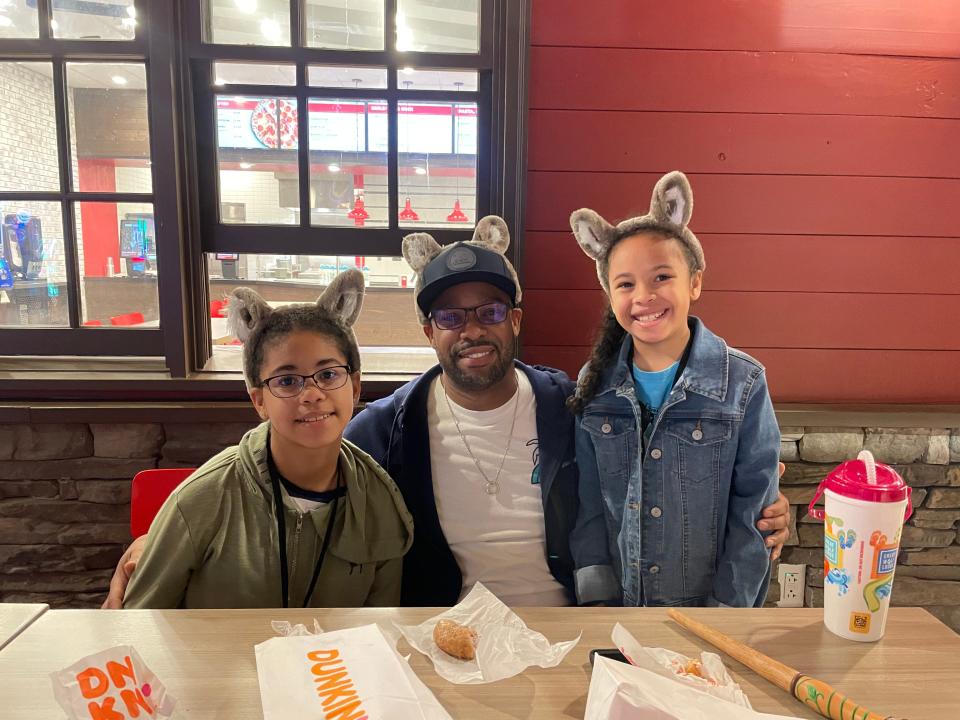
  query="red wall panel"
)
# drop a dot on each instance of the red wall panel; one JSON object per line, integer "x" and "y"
{"x": 821, "y": 376}
{"x": 619, "y": 141}
{"x": 723, "y": 81}
{"x": 771, "y": 204}
{"x": 793, "y": 263}
{"x": 772, "y": 319}
{"x": 820, "y": 139}
{"x": 881, "y": 27}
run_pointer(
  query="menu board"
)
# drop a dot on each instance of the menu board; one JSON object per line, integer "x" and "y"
{"x": 269, "y": 123}
{"x": 465, "y": 122}
{"x": 337, "y": 126}
{"x": 349, "y": 126}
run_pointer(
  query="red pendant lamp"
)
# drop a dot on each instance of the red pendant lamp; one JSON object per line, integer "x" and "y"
{"x": 457, "y": 214}
{"x": 359, "y": 213}
{"x": 408, "y": 213}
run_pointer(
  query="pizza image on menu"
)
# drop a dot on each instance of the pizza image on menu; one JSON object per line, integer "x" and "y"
{"x": 274, "y": 123}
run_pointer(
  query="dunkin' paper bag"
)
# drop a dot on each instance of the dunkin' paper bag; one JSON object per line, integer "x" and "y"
{"x": 623, "y": 692}
{"x": 351, "y": 673}
{"x": 505, "y": 645}
{"x": 114, "y": 683}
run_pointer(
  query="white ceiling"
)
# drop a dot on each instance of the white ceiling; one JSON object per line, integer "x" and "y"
{"x": 81, "y": 19}
{"x": 427, "y": 25}
{"x": 97, "y": 75}
{"x": 423, "y": 25}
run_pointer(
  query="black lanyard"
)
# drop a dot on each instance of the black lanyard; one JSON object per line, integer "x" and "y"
{"x": 282, "y": 542}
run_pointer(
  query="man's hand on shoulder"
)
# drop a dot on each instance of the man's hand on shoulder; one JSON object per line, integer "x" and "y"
{"x": 121, "y": 576}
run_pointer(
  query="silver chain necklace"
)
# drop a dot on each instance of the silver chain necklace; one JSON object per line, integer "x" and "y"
{"x": 492, "y": 487}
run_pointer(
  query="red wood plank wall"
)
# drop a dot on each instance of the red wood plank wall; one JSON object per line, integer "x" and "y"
{"x": 822, "y": 140}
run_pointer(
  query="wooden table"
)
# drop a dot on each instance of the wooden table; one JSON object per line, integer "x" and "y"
{"x": 15, "y": 617}
{"x": 206, "y": 658}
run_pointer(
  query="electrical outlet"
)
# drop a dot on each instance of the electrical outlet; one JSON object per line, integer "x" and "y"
{"x": 792, "y": 579}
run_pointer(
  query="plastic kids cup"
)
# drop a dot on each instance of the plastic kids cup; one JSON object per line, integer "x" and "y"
{"x": 866, "y": 504}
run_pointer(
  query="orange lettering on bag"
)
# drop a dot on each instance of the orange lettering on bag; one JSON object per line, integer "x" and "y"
{"x": 104, "y": 711}
{"x": 323, "y": 669}
{"x": 335, "y": 690}
{"x": 338, "y": 694}
{"x": 325, "y": 684}
{"x": 346, "y": 712}
{"x": 93, "y": 682}
{"x": 132, "y": 699}
{"x": 118, "y": 672}
{"x": 323, "y": 655}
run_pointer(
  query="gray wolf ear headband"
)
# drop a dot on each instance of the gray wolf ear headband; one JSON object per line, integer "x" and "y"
{"x": 341, "y": 301}
{"x": 482, "y": 259}
{"x": 670, "y": 210}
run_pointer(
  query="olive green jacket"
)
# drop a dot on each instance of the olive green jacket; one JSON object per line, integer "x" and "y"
{"x": 214, "y": 542}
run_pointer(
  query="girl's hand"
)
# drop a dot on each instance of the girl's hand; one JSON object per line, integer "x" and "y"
{"x": 121, "y": 576}
{"x": 776, "y": 518}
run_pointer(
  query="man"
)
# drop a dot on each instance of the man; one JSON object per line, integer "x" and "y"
{"x": 481, "y": 445}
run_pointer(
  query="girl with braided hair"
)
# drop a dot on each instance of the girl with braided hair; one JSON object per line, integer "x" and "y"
{"x": 676, "y": 438}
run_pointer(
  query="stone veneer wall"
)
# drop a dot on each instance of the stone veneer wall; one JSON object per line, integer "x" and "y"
{"x": 65, "y": 494}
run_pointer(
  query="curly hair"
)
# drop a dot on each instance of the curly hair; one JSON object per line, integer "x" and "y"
{"x": 287, "y": 320}
{"x": 610, "y": 334}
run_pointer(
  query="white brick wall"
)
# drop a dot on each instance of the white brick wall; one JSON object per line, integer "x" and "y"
{"x": 28, "y": 152}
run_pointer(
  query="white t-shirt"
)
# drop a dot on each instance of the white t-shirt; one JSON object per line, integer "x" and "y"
{"x": 496, "y": 539}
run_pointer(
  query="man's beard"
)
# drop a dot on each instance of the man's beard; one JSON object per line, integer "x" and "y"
{"x": 483, "y": 379}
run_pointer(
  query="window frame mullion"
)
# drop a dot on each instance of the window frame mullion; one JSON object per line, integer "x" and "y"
{"x": 71, "y": 250}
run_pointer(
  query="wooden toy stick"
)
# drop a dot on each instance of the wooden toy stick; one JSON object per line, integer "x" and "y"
{"x": 810, "y": 691}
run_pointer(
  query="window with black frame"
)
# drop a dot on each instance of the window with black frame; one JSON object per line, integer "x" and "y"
{"x": 327, "y": 130}
{"x": 78, "y": 240}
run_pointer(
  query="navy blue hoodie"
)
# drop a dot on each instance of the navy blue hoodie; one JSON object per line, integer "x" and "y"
{"x": 394, "y": 432}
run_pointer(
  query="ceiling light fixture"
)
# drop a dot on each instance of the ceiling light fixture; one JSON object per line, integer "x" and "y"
{"x": 119, "y": 80}
{"x": 404, "y": 34}
{"x": 408, "y": 214}
{"x": 270, "y": 29}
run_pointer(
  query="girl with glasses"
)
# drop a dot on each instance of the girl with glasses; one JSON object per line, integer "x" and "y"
{"x": 293, "y": 516}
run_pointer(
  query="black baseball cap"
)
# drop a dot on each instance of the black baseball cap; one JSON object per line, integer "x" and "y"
{"x": 462, "y": 263}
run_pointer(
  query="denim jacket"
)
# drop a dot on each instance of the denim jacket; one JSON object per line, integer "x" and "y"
{"x": 680, "y": 518}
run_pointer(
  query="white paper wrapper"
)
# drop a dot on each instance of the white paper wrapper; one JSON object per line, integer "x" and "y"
{"x": 623, "y": 692}
{"x": 117, "y": 682}
{"x": 506, "y": 645}
{"x": 355, "y": 671}
{"x": 669, "y": 664}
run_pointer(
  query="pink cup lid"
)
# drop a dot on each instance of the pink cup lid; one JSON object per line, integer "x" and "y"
{"x": 851, "y": 479}
{"x": 864, "y": 479}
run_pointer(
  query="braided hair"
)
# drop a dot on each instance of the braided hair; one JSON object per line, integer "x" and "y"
{"x": 605, "y": 349}
{"x": 611, "y": 333}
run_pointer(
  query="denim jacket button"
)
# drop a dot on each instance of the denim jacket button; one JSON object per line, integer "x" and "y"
{"x": 655, "y": 453}
{"x": 656, "y": 512}
{"x": 654, "y": 569}
{"x": 634, "y": 506}
{"x": 697, "y": 434}
{"x": 606, "y": 427}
